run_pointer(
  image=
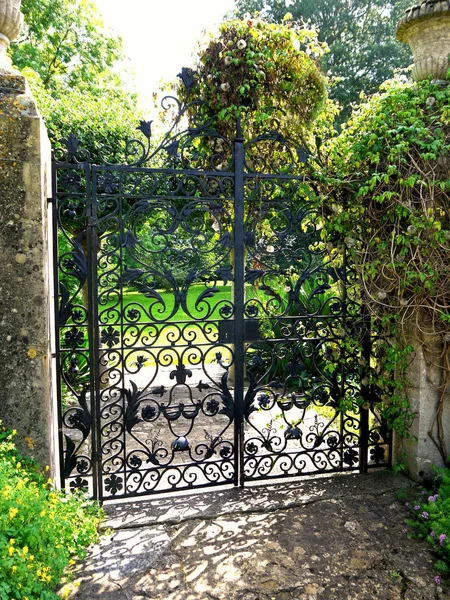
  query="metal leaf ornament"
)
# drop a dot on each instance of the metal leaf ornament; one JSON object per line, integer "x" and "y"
{"x": 146, "y": 128}
{"x": 72, "y": 143}
{"x": 187, "y": 77}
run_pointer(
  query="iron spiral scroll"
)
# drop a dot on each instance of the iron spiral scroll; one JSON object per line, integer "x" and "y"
{"x": 209, "y": 329}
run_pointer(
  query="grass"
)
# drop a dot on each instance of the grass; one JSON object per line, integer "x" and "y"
{"x": 162, "y": 311}
{"x": 158, "y": 319}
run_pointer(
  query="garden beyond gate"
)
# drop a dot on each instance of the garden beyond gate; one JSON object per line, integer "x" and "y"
{"x": 209, "y": 328}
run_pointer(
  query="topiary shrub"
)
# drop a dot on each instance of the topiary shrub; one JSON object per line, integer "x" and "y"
{"x": 264, "y": 72}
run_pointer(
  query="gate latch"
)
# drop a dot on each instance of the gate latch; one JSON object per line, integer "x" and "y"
{"x": 227, "y": 331}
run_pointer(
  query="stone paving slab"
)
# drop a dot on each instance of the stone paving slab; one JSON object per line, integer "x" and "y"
{"x": 254, "y": 497}
{"x": 339, "y": 538}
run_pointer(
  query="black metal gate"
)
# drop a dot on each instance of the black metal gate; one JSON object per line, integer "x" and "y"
{"x": 208, "y": 327}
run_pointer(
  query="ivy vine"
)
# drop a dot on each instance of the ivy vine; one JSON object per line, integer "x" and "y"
{"x": 390, "y": 170}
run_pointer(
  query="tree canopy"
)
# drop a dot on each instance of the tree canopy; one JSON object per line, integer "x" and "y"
{"x": 360, "y": 35}
{"x": 69, "y": 59}
{"x": 65, "y": 42}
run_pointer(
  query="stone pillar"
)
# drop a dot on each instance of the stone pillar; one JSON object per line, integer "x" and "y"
{"x": 25, "y": 184}
{"x": 425, "y": 27}
{"x": 425, "y": 375}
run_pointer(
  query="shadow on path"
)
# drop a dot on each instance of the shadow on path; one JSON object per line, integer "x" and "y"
{"x": 322, "y": 539}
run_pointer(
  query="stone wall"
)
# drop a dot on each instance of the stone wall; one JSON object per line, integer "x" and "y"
{"x": 25, "y": 184}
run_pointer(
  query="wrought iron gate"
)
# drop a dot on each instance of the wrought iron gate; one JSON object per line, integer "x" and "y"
{"x": 208, "y": 328}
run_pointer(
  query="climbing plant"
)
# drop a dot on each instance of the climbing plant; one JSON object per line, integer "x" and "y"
{"x": 385, "y": 174}
{"x": 390, "y": 168}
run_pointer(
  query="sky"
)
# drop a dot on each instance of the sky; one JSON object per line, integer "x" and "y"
{"x": 159, "y": 36}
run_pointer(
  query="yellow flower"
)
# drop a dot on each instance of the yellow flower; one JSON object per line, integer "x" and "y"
{"x": 43, "y": 513}
{"x": 13, "y": 512}
{"x": 11, "y": 541}
{"x": 43, "y": 574}
{"x": 14, "y": 568}
{"x": 10, "y": 550}
{"x": 24, "y": 550}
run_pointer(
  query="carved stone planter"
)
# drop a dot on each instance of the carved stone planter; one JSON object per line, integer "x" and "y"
{"x": 426, "y": 29}
{"x": 10, "y": 24}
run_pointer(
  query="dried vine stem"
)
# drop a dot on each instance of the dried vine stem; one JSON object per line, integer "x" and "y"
{"x": 443, "y": 364}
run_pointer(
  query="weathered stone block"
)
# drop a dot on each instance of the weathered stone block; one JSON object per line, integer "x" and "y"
{"x": 25, "y": 171}
{"x": 425, "y": 374}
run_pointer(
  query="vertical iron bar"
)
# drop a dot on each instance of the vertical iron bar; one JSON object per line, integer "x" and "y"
{"x": 122, "y": 250}
{"x": 56, "y": 332}
{"x": 390, "y": 460}
{"x": 239, "y": 300}
{"x": 343, "y": 360}
{"x": 364, "y": 412}
{"x": 93, "y": 327}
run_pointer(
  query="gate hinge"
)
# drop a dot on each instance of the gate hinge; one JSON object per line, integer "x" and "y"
{"x": 91, "y": 221}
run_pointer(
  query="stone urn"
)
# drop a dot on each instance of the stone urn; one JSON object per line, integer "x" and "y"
{"x": 11, "y": 20}
{"x": 425, "y": 27}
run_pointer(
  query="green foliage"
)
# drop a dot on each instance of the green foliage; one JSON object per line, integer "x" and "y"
{"x": 265, "y": 73}
{"x": 69, "y": 58}
{"x": 430, "y": 518}
{"x": 105, "y": 119}
{"x": 389, "y": 170}
{"x": 360, "y": 35}
{"x": 40, "y": 528}
{"x": 309, "y": 377}
{"x": 391, "y": 160}
{"x": 65, "y": 42}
